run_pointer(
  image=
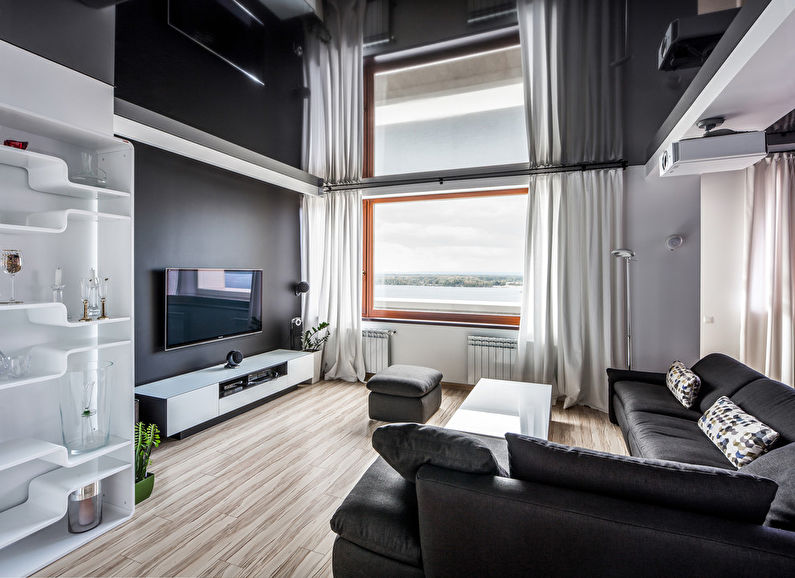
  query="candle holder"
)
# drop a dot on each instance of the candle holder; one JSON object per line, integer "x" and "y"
{"x": 85, "y": 289}
{"x": 93, "y": 294}
{"x": 84, "y": 511}
{"x": 57, "y": 293}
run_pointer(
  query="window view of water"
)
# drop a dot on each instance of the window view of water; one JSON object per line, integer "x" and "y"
{"x": 504, "y": 294}
{"x": 463, "y": 293}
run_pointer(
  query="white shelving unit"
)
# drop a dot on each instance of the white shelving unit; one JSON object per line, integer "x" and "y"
{"x": 57, "y": 222}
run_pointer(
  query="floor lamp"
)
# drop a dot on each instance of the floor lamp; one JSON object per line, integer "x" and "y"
{"x": 627, "y": 255}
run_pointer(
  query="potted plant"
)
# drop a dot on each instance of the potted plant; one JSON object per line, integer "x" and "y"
{"x": 313, "y": 340}
{"x": 147, "y": 436}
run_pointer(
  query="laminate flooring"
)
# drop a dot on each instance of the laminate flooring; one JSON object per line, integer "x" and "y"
{"x": 253, "y": 496}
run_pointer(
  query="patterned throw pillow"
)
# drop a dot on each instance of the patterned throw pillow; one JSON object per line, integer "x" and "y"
{"x": 683, "y": 383}
{"x": 740, "y": 436}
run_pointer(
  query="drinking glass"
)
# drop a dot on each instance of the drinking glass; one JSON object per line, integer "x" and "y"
{"x": 5, "y": 365}
{"x": 90, "y": 173}
{"x": 19, "y": 365}
{"x": 12, "y": 264}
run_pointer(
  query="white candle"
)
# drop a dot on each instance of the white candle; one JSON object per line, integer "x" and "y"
{"x": 58, "y": 276}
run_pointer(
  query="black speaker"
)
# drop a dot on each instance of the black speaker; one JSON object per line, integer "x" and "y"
{"x": 233, "y": 359}
{"x": 296, "y": 326}
{"x": 301, "y": 287}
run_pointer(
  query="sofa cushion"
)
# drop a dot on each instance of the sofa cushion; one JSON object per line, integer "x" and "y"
{"x": 683, "y": 383}
{"x": 712, "y": 491}
{"x": 779, "y": 466}
{"x": 405, "y": 380}
{"x": 771, "y": 402}
{"x": 637, "y": 396}
{"x": 739, "y": 435}
{"x": 380, "y": 515}
{"x": 721, "y": 375}
{"x": 664, "y": 437}
{"x": 408, "y": 446}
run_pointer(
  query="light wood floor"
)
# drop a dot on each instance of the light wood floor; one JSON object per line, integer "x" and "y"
{"x": 253, "y": 496}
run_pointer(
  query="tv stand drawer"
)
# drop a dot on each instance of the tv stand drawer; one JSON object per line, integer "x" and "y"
{"x": 190, "y": 409}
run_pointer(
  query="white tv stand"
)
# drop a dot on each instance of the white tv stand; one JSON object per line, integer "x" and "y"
{"x": 187, "y": 403}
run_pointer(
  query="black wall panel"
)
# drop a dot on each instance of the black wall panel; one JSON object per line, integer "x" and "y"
{"x": 162, "y": 70}
{"x": 189, "y": 214}
{"x": 650, "y": 94}
{"x": 65, "y": 31}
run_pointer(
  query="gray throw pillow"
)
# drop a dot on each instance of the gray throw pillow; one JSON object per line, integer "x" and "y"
{"x": 407, "y": 446}
{"x": 779, "y": 466}
{"x": 714, "y": 491}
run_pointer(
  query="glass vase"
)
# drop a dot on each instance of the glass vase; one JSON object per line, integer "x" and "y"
{"x": 85, "y": 407}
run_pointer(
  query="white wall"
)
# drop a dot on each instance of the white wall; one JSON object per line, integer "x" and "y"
{"x": 665, "y": 284}
{"x": 443, "y": 347}
{"x": 722, "y": 225}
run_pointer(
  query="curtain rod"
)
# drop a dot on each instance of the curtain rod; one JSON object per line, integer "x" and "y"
{"x": 401, "y": 180}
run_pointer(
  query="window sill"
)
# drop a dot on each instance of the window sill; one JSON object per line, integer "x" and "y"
{"x": 508, "y": 327}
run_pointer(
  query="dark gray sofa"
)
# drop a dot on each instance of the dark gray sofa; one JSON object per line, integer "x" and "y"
{"x": 452, "y": 523}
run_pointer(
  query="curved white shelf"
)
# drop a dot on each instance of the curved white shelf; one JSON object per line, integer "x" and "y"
{"x": 50, "y": 361}
{"x": 48, "y": 497}
{"x": 22, "y": 450}
{"x": 55, "y": 541}
{"x": 57, "y": 221}
{"x": 54, "y": 314}
{"x": 48, "y": 174}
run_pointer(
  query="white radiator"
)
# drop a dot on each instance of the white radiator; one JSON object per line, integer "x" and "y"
{"x": 491, "y": 357}
{"x": 375, "y": 346}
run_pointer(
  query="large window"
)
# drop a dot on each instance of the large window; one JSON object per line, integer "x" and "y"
{"x": 449, "y": 111}
{"x": 446, "y": 257}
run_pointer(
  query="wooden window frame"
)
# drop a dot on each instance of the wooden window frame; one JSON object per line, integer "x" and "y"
{"x": 373, "y": 67}
{"x": 369, "y": 312}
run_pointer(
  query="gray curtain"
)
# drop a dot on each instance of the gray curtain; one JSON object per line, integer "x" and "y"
{"x": 331, "y": 231}
{"x": 570, "y": 328}
{"x": 768, "y": 333}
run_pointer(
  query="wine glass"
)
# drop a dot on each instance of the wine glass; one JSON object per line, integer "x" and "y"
{"x": 85, "y": 291}
{"x": 104, "y": 285}
{"x": 12, "y": 264}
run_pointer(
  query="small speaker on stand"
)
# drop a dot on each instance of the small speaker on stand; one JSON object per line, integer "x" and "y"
{"x": 296, "y": 325}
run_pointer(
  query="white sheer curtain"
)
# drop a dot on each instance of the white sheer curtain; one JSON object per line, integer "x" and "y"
{"x": 768, "y": 338}
{"x": 332, "y": 224}
{"x": 570, "y": 323}
{"x": 570, "y": 326}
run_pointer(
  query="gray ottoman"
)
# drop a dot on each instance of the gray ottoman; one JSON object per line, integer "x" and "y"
{"x": 405, "y": 393}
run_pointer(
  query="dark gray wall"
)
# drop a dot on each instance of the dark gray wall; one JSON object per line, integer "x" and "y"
{"x": 649, "y": 94}
{"x": 189, "y": 214}
{"x": 65, "y": 31}
{"x": 419, "y": 22}
{"x": 160, "y": 69}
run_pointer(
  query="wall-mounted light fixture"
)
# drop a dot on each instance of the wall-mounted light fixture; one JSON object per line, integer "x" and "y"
{"x": 673, "y": 242}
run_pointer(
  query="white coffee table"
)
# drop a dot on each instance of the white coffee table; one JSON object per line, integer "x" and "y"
{"x": 495, "y": 407}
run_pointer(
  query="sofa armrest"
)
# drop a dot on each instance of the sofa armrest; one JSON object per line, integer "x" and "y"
{"x": 486, "y": 525}
{"x": 616, "y": 375}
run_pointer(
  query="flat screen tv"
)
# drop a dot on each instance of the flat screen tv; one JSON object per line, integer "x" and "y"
{"x": 204, "y": 305}
{"x": 227, "y": 28}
